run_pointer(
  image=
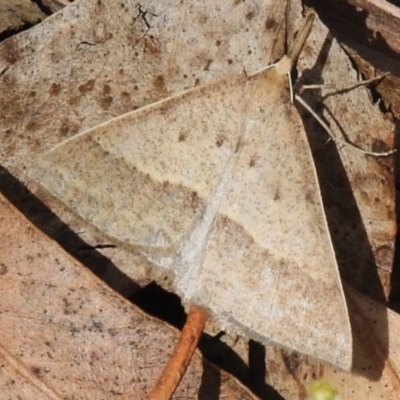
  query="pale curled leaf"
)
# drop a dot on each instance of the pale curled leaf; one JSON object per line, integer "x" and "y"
{"x": 217, "y": 186}
{"x": 66, "y": 335}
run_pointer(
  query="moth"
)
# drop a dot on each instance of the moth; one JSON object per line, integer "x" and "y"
{"x": 216, "y": 187}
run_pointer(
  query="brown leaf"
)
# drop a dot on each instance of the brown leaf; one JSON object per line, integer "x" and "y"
{"x": 376, "y": 369}
{"x": 96, "y": 60}
{"x": 358, "y": 190}
{"x": 65, "y": 334}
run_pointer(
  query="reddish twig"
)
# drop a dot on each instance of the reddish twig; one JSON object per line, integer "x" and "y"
{"x": 180, "y": 359}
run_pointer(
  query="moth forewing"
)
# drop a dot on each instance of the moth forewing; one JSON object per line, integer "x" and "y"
{"x": 221, "y": 179}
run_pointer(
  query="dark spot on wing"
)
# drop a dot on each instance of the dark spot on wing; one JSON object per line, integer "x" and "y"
{"x": 35, "y": 370}
{"x": 159, "y": 82}
{"x": 194, "y": 199}
{"x": 309, "y": 196}
{"x": 74, "y": 100}
{"x": 150, "y": 45}
{"x": 218, "y": 43}
{"x": 277, "y": 194}
{"x": 252, "y": 162}
{"x": 106, "y": 99}
{"x": 223, "y": 220}
{"x": 182, "y": 137}
{"x": 4, "y": 269}
{"x": 64, "y": 129}
{"x": 165, "y": 185}
{"x": 68, "y": 128}
{"x": 55, "y": 89}
{"x": 207, "y": 67}
{"x": 32, "y": 126}
{"x": 87, "y": 87}
{"x": 250, "y": 15}
{"x": 126, "y": 102}
{"x": 270, "y": 23}
{"x": 106, "y": 89}
{"x": 220, "y": 141}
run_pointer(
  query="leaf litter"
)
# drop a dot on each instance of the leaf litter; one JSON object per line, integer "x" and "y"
{"x": 80, "y": 90}
{"x": 66, "y": 334}
{"x": 49, "y": 118}
{"x": 96, "y": 60}
{"x": 216, "y": 187}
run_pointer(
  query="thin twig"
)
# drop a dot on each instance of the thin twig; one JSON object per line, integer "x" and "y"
{"x": 338, "y": 140}
{"x": 342, "y": 89}
{"x": 180, "y": 359}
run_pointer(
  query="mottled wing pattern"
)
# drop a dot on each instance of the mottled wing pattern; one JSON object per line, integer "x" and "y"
{"x": 221, "y": 179}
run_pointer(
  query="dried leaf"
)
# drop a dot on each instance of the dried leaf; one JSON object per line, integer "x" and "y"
{"x": 17, "y": 14}
{"x": 65, "y": 334}
{"x": 96, "y": 60}
{"x": 376, "y": 366}
{"x": 358, "y": 190}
